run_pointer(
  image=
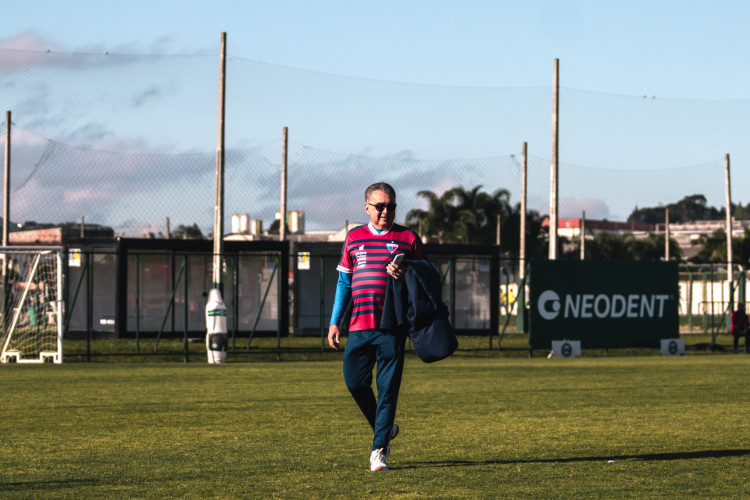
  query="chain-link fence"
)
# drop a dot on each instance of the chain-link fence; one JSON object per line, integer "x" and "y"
{"x": 129, "y": 140}
{"x": 143, "y": 297}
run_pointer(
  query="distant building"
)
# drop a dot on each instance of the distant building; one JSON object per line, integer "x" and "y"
{"x": 685, "y": 234}
{"x": 571, "y": 228}
{"x": 245, "y": 228}
{"x": 49, "y": 234}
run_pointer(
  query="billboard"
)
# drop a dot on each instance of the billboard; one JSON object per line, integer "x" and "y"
{"x": 603, "y": 303}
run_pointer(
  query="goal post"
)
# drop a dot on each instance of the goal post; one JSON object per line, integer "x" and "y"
{"x": 31, "y": 305}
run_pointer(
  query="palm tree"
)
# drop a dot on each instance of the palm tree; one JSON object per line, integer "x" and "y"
{"x": 460, "y": 215}
{"x": 470, "y": 216}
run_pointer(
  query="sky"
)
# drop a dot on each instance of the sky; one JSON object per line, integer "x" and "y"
{"x": 687, "y": 50}
{"x": 669, "y": 48}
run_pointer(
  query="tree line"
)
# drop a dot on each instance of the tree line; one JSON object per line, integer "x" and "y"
{"x": 689, "y": 209}
{"x": 472, "y": 216}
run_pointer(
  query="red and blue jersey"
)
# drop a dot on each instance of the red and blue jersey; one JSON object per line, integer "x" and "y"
{"x": 365, "y": 255}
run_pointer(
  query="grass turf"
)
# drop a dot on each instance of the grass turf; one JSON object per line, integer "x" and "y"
{"x": 615, "y": 427}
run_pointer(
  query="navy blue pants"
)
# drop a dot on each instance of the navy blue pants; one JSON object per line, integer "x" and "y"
{"x": 364, "y": 349}
{"x": 737, "y": 336}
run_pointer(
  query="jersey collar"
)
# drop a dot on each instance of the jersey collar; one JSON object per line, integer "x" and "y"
{"x": 374, "y": 230}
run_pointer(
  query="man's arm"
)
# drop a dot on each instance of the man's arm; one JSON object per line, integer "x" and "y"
{"x": 343, "y": 292}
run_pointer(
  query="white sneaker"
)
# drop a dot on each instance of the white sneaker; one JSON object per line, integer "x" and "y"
{"x": 377, "y": 460}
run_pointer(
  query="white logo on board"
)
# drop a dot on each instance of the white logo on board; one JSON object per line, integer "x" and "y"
{"x": 589, "y": 305}
{"x": 554, "y": 307}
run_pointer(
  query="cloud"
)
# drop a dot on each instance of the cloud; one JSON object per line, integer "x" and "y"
{"x": 153, "y": 93}
{"x": 132, "y": 230}
{"x": 37, "y": 102}
{"x": 24, "y": 51}
{"x": 29, "y": 49}
{"x": 594, "y": 208}
{"x": 54, "y": 182}
{"x": 162, "y": 45}
{"x": 28, "y": 41}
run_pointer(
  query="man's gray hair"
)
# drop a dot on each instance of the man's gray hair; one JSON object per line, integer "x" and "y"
{"x": 381, "y": 186}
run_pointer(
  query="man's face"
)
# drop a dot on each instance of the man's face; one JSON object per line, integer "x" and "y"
{"x": 384, "y": 219}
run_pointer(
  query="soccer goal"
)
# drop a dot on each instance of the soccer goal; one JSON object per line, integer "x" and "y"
{"x": 31, "y": 304}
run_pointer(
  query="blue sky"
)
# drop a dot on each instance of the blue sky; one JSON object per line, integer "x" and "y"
{"x": 668, "y": 48}
{"x": 688, "y": 54}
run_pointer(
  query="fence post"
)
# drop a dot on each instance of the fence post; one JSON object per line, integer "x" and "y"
{"x": 235, "y": 323}
{"x": 185, "y": 309}
{"x": 495, "y": 294}
{"x": 137, "y": 304}
{"x": 741, "y": 284}
{"x": 690, "y": 301}
{"x": 169, "y": 305}
{"x": 322, "y": 303}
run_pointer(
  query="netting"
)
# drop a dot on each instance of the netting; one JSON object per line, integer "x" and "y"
{"x": 127, "y": 141}
{"x": 30, "y": 309}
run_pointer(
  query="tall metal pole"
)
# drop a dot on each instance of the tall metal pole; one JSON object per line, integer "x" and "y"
{"x": 582, "y": 235}
{"x": 666, "y": 234}
{"x": 282, "y": 221}
{"x": 6, "y": 184}
{"x": 521, "y": 301}
{"x": 216, "y": 310}
{"x": 522, "y": 243}
{"x": 219, "y": 206}
{"x": 728, "y": 187}
{"x": 6, "y": 212}
{"x": 553, "y": 186}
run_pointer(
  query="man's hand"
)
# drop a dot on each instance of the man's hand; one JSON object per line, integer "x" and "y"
{"x": 333, "y": 336}
{"x": 395, "y": 270}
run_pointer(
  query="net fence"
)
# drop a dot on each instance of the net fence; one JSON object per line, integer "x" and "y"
{"x": 129, "y": 140}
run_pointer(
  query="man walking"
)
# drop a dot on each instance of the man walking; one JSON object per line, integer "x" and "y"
{"x": 366, "y": 262}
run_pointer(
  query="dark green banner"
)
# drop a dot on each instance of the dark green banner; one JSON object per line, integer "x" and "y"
{"x": 603, "y": 303}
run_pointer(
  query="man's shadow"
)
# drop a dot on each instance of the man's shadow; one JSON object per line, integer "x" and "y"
{"x": 682, "y": 455}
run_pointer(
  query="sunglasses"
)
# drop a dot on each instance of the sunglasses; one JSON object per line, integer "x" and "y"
{"x": 381, "y": 206}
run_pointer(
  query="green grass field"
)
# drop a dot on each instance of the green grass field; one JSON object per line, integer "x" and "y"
{"x": 471, "y": 427}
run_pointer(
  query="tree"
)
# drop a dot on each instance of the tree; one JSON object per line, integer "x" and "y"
{"x": 276, "y": 226}
{"x": 537, "y": 241}
{"x": 652, "y": 248}
{"x": 609, "y": 246}
{"x": 187, "y": 232}
{"x": 690, "y": 208}
{"x": 714, "y": 248}
{"x": 741, "y": 213}
{"x": 460, "y": 215}
{"x": 470, "y": 216}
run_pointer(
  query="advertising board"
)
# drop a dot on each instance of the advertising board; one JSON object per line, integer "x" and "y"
{"x": 603, "y": 303}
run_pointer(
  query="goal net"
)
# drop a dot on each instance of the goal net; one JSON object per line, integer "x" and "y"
{"x": 31, "y": 304}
